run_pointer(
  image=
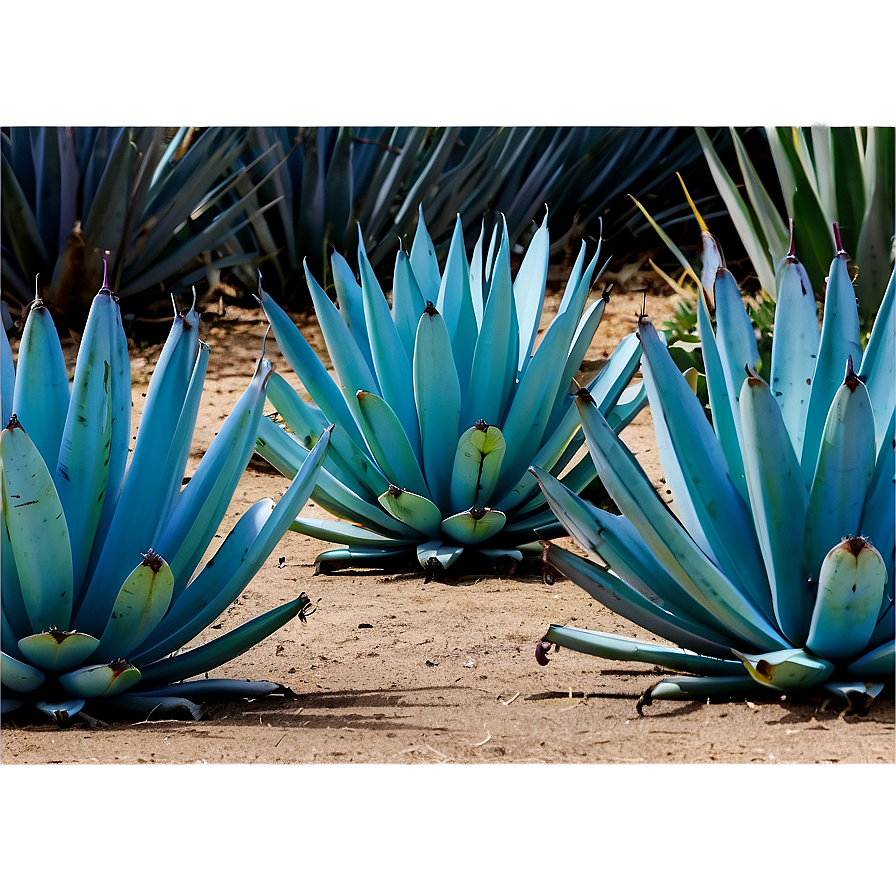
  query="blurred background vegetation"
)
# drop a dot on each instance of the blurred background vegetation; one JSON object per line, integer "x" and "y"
{"x": 171, "y": 209}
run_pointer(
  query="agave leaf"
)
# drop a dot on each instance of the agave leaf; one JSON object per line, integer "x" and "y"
{"x": 455, "y": 303}
{"x": 286, "y": 454}
{"x": 688, "y": 687}
{"x": 211, "y": 689}
{"x": 41, "y": 396}
{"x": 141, "y": 603}
{"x": 771, "y": 227}
{"x": 224, "y": 578}
{"x": 529, "y": 291}
{"x": 25, "y": 242}
{"x": 874, "y": 245}
{"x": 437, "y": 554}
{"x": 740, "y": 215}
{"x": 56, "y": 650}
{"x": 389, "y": 443}
{"x": 20, "y": 677}
{"x": 120, "y": 410}
{"x": 474, "y": 526}
{"x": 390, "y": 360}
{"x": 478, "y": 284}
{"x": 351, "y": 534}
{"x": 634, "y": 495}
{"x": 347, "y": 358}
{"x": 220, "y": 650}
{"x": 179, "y": 453}
{"x": 778, "y": 500}
{"x": 620, "y": 546}
{"x": 140, "y": 505}
{"x": 620, "y": 597}
{"x": 437, "y": 396}
{"x": 351, "y": 304}
{"x": 850, "y": 589}
{"x": 843, "y": 474}
{"x": 61, "y": 710}
{"x": 38, "y": 532}
{"x": 839, "y": 341}
{"x": 527, "y": 419}
{"x": 310, "y": 370}
{"x": 879, "y": 515}
{"x": 879, "y": 661}
{"x": 413, "y": 510}
{"x": 618, "y": 647}
{"x": 734, "y": 337}
{"x": 477, "y": 465}
{"x": 495, "y": 355}
{"x": 82, "y": 470}
{"x": 105, "y": 219}
{"x": 787, "y": 670}
{"x": 794, "y": 348}
{"x": 423, "y": 262}
{"x": 350, "y": 462}
{"x": 165, "y": 707}
{"x": 105, "y": 680}
{"x": 878, "y": 368}
{"x": 706, "y": 500}
{"x": 407, "y": 303}
{"x": 720, "y": 400}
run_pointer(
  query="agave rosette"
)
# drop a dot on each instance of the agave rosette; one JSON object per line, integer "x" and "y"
{"x": 98, "y": 587}
{"x": 443, "y": 402}
{"x": 775, "y": 573}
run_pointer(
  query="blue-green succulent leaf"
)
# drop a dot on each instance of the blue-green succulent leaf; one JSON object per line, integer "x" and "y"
{"x": 696, "y": 471}
{"x": 56, "y": 650}
{"x": 620, "y": 597}
{"x": 850, "y": 590}
{"x": 141, "y": 603}
{"x": 105, "y": 680}
{"x": 634, "y": 495}
{"x": 791, "y": 669}
{"x": 41, "y": 395}
{"x": 618, "y": 647}
{"x": 794, "y": 348}
{"x": 389, "y": 443}
{"x": 879, "y": 661}
{"x": 455, "y": 303}
{"x": 19, "y": 676}
{"x": 390, "y": 360}
{"x": 437, "y": 397}
{"x": 38, "y": 532}
{"x": 778, "y": 501}
{"x": 843, "y": 473}
{"x": 226, "y": 647}
{"x": 474, "y": 526}
{"x": 413, "y": 510}
{"x": 839, "y": 341}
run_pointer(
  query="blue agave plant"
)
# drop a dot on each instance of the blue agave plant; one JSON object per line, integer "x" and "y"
{"x": 443, "y": 402}
{"x": 98, "y": 556}
{"x": 776, "y": 571}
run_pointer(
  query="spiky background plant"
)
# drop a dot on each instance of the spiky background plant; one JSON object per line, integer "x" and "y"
{"x": 84, "y": 618}
{"x": 843, "y": 174}
{"x": 162, "y": 212}
{"x": 776, "y": 571}
{"x": 335, "y": 180}
{"x": 441, "y": 403}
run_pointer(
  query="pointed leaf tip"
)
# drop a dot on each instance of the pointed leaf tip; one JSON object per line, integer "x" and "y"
{"x": 541, "y": 652}
{"x": 791, "y": 252}
{"x": 837, "y": 241}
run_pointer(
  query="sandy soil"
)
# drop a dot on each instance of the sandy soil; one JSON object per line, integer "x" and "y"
{"x": 392, "y": 670}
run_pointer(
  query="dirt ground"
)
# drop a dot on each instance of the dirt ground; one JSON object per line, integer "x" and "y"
{"x": 390, "y": 670}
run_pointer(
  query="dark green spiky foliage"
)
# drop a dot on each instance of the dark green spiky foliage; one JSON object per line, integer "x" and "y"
{"x": 160, "y": 210}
